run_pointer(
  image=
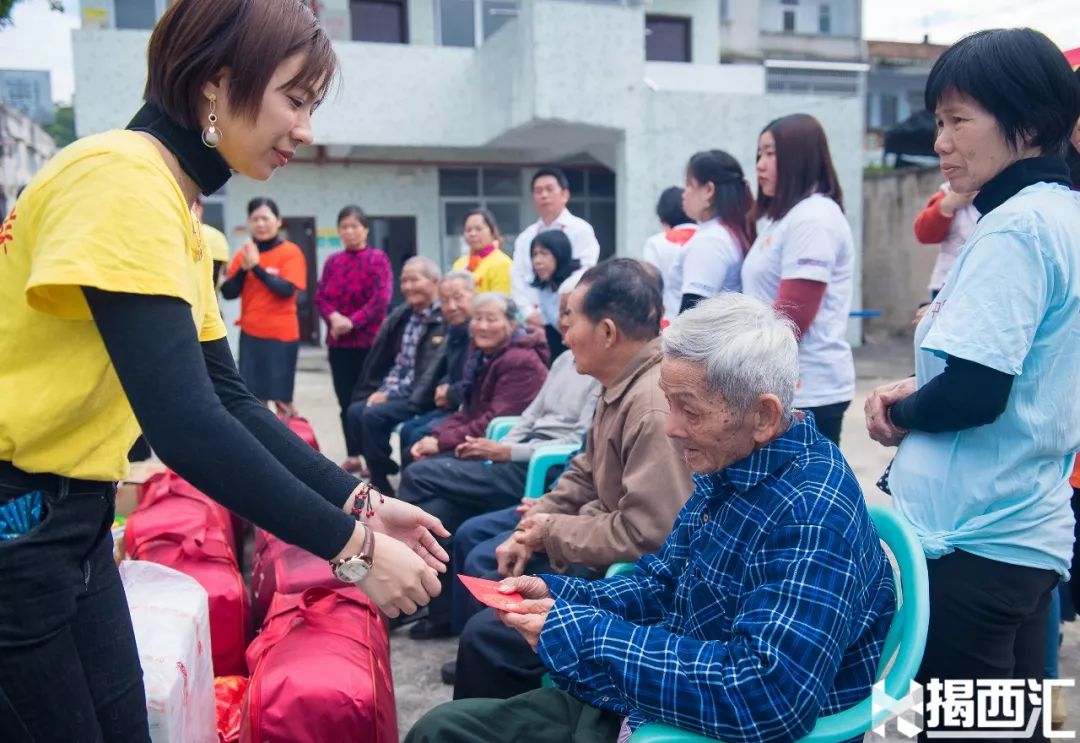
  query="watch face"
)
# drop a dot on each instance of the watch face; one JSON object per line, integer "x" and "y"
{"x": 352, "y": 570}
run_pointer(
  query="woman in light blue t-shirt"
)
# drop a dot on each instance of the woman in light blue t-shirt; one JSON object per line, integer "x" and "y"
{"x": 987, "y": 427}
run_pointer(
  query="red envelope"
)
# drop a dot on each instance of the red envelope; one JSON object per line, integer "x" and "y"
{"x": 485, "y": 591}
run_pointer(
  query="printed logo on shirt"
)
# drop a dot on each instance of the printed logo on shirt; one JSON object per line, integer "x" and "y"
{"x": 812, "y": 262}
{"x": 7, "y": 231}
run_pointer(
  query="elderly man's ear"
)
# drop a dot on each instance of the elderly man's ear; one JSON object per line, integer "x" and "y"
{"x": 768, "y": 419}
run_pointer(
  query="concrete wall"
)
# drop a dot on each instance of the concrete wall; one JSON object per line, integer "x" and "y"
{"x": 896, "y": 268}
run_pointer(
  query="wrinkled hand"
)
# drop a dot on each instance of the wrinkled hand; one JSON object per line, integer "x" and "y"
{"x": 442, "y": 396}
{"x": 878, "y": 423}
{"x": 528, "y": 618}
{"x": 413, "y": 527}
{"x": 377, "y": 398}
{"x": 526, "y": 505}
{"x": 399, "y": 580}
{"x": 425, "y": 447}
{"x": 340, "y": 325}
{"x": 511, "y": 557}
{"x": 529, "y": 586}
{"x": 480, "y": 448}
{"x": 530, "y": 531}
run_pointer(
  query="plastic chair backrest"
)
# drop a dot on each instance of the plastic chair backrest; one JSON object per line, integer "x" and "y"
{"x": 906, "y": 640}
{"x": 543, "y": 459}
{"x": 500, "y": 426}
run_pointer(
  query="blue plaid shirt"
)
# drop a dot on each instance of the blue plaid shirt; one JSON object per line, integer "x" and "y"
{"x": 399, "y": 380}
{"x": 766, "y": 607}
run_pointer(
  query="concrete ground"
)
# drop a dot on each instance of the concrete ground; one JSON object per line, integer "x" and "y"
{"x": 416, "y": 664}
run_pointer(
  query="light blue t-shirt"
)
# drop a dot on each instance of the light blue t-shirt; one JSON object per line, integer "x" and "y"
{"x": 1012, "y": 303}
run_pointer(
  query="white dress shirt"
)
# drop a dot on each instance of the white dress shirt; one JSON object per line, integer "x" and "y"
{"x": 582, "y": 240}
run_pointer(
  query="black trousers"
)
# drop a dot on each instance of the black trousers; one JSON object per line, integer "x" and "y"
{"x": 371, "y": 426}
{"x": 987, "y": 620}
{"x": 69, "y": 668}
{"x": 455, "y": 490}
{"x": 541, "y": 716}
{"x": 829, "y": 419}
{"x": 345, "y": 367}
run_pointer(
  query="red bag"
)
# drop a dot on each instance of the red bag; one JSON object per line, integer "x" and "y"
{"x": 162, "y": 533}
{"x": 320, "y": 672}
{"x": 279, "y": 567}
{"x": 192, "y": 508}
{"x": 303, "y": 429}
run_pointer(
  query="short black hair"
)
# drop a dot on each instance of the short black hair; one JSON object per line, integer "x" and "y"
{"x": 263, "y": 201}
{"x": 352, "y": 210}
{"x": 1020, "y": 77}
{"x": 621, "y": 290}
{"x": 553, "y": 172}
{"x": 669, "y": 208}
{"x": 558, "y": 244}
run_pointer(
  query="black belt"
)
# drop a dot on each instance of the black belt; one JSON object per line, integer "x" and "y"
{"x": 12, "y": 476}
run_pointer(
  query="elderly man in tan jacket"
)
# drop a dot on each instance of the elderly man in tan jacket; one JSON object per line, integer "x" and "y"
{"x": 618, "y": 499}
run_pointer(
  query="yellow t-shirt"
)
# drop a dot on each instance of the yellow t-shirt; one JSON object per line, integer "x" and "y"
{"x": 492, "y": 274}
{"x": 104, "y": 212}
{"x": 216, "y": 243}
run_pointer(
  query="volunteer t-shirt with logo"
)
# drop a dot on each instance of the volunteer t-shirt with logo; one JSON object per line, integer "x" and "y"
{"x": 107, "y": 213}
{"x": 711, "y": 262}
{"x": 812, "y": 241}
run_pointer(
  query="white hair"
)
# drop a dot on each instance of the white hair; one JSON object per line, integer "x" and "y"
{"x": 747, "y": 348}
{"x": 506, "y": 305}
{"x": 461, "y": 275}
{"x": 428, "y": 267}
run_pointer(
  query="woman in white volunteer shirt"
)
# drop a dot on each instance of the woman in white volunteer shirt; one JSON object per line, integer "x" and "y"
{"x": 803, "y": 261}
{"x": 718, "y": 198}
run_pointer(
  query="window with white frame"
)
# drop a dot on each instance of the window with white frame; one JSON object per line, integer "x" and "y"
{"x": 469, "y": 22}
{"x": 824, "y": 19}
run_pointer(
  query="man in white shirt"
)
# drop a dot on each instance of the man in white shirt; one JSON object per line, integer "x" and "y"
{"x": 551, "y": 193}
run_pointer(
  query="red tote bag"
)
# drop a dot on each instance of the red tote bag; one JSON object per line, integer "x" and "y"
{"x": 320, "y": 671}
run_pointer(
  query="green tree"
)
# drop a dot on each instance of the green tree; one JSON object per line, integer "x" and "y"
{"x": 6, "y": 6}
{"x": 62, "y": 130}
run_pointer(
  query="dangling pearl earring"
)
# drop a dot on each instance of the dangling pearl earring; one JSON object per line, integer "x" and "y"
{"x": 211, "y": 136}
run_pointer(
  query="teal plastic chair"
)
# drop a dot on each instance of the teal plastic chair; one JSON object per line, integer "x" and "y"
{"x": 545, "y": 457}
{"x": 500, "y": 426}
{"x": 906, "y": 640}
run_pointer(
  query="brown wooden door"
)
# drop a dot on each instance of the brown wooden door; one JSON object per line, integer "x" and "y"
{"x": 301, "y": 230}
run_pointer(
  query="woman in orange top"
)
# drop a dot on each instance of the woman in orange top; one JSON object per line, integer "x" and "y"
{"x": 269, "y": 329}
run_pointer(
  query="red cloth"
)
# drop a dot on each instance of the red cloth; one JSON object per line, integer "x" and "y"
{"x": 931, "y": 226}
{"x": 800, "y": 299}
{"x": 228, "y": 699}
{"x": 264, "y": 314}
{"x": 475, "y": 258}
{"x": 506, "y": 386}
{"x": 680, "y": 235}
{"x": 280, "y": 567}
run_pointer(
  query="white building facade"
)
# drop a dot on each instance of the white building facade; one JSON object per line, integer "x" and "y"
{"x": 24, "y": 148}
{"x": 458, "y": 101}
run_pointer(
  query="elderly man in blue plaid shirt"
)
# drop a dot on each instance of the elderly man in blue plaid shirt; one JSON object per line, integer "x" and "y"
{"x": 766, "y": 607}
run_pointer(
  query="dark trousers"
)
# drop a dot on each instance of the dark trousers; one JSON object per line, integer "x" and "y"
{"x": 454, "y": 490}
{"x": 829, "y": 419}
{"x": 540, "y": 716}
{"x": 417, "y": 428}
{"x": 472, "y": 552}
{"x": 345, "y": 367}
{"x": 371, "y": 426}
{"x": 69, "y": 668}
{"x": 987, "y": 620}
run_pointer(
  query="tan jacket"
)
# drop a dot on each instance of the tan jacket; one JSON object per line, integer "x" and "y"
{"x": 620, "y": 497}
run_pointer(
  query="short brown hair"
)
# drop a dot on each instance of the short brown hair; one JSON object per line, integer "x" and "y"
{"x": 803, "y": 166}
{"x": 195, "y": 39}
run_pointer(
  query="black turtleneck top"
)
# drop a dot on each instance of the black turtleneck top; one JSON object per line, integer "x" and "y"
{"x": 195, "y": 409}
{"x": 968, "y": 394}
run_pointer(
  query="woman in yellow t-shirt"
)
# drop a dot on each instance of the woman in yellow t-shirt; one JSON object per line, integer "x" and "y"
{"x": 111, "y": 326}
{"x": 489, "y": 266}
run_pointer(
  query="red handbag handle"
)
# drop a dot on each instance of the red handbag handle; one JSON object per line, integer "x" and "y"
{"x": 197, "y": 546}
